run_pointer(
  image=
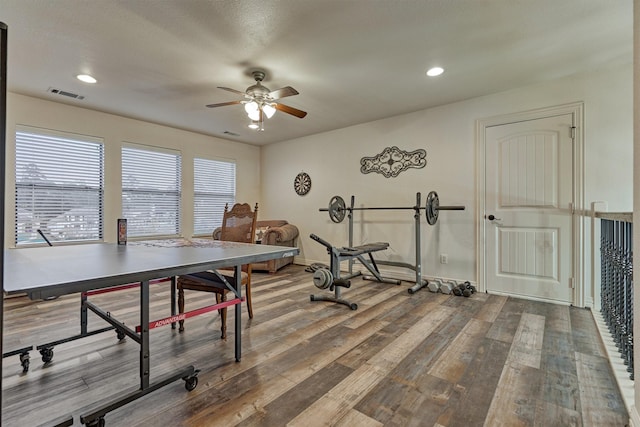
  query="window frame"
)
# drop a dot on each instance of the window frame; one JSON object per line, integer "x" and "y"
{"x": 68, "y": 170}
{"x": 207, "y": 199}
{"x": 147, "y": 191}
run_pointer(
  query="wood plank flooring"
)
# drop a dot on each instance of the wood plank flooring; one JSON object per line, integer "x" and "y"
{"x": 399, "y": 360}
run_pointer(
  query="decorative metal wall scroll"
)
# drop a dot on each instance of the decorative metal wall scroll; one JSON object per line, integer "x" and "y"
{"x": 393, "y": 160}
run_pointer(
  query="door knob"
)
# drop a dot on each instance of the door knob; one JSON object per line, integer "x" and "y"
{"x": 492, "y": 218}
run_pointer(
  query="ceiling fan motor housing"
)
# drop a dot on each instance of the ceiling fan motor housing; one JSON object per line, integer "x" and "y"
{"x": 258, "y": 75}
{"x": 257, "y": 91}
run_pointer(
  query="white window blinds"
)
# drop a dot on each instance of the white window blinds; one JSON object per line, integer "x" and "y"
{"x": 214, "y": 185}
{"x": 59, "y": 186}
{"x": 151, "y": 191}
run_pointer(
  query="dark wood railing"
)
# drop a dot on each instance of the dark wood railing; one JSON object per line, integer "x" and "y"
{"x": 616, "y": 292}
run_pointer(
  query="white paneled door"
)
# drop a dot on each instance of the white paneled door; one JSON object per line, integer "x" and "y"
{"x": 528, "y": 208}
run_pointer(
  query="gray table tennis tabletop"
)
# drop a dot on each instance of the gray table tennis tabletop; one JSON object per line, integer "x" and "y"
{"x": 43, "y": 272}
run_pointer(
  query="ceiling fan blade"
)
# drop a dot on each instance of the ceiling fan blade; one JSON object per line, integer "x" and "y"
{"x": 282, "y": 92}
{"x": 222, "y": 104}
{"x": 231, "y": 90}
{"x": 290, "y": 110}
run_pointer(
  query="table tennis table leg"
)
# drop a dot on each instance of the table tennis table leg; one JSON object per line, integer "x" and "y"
{"x": 83, "y": 314}
{"x": 173, "y": 300}
{"x": 188, "y": 374}
{"x": 144, "y": 335}
{"x": 237, "y": 276}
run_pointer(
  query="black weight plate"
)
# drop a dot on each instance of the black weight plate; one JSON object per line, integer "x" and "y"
{"x": 337, "y": 209}
{"x": 431, "y": 210}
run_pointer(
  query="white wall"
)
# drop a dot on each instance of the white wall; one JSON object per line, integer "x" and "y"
{"x": 447, "y": 133}
{"x": 24, "y": 110}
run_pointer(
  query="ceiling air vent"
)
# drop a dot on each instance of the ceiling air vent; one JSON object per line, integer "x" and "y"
{"x": 65, "y": 93}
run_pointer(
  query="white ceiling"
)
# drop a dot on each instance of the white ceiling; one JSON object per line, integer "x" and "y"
{"x": 353, "y": 61}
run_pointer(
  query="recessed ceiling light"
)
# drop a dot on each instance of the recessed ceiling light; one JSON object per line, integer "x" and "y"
{"x": 86, "y": 78}
{"x": 435, "y": 71}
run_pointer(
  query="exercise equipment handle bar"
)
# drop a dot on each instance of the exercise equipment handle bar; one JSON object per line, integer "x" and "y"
{"x": 321, "y": 241}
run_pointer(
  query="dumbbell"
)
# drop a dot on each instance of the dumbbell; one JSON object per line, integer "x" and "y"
{"x": 434, "y": 285}
{"x": 457, "y": 289}
{"x": 447, "y": 287}
{"x": 462, "y": 289}
{"x": 467, "y": 289}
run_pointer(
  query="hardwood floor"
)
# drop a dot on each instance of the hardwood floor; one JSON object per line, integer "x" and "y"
{"x": 399, "y": 360}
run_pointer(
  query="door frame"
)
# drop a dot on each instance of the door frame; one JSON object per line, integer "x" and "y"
{"x": 577, "y": 111}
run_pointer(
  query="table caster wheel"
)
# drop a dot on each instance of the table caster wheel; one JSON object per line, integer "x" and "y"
{"x": 191, "y": 383}
{"x": 98, "y": 422}
{"x": 353, "y": 306}
{"x": 47, "y": 354}
{"x": 24, "y": 361}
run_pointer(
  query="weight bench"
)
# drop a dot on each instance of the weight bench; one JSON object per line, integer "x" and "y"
{"x": 330, "y": 279}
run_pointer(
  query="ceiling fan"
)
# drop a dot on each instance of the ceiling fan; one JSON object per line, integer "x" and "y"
{"x": 259, "y": 101}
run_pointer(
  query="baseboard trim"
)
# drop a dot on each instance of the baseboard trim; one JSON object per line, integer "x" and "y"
{"x": 634, "y": 418}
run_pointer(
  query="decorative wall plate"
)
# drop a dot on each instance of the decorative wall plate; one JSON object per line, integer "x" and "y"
{"x": 302, "y": 183}
{"x": 393, "y": 160}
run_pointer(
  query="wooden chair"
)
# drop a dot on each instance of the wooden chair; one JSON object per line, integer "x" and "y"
{"x": 238, "y": 225}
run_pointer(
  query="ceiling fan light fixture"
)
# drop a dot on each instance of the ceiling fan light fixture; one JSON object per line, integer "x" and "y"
{"x": 254, "y": 115}
{"x": 269, "y": 110}
{"x": 250, "y": 107}
{"x": 256, "y": 125}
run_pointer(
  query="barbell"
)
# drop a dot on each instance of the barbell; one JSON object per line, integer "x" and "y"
{"x": 337, "y": 208}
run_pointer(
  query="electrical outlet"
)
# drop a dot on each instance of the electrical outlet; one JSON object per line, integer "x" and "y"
{"x": 444, "y": 258}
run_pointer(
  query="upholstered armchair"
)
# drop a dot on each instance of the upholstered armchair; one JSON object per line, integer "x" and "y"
{"x": 272, "y": 232}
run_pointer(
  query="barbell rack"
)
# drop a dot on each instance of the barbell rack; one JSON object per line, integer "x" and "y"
{"x": 337, "y": 210}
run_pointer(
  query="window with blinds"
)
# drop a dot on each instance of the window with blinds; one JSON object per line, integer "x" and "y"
{"x": 59, "y": 186}
{"x": 214, "y": 185}
{"x": 151, "y": 191}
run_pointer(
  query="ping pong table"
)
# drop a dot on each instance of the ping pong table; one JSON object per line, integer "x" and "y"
{"x": 46, "y": 272}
